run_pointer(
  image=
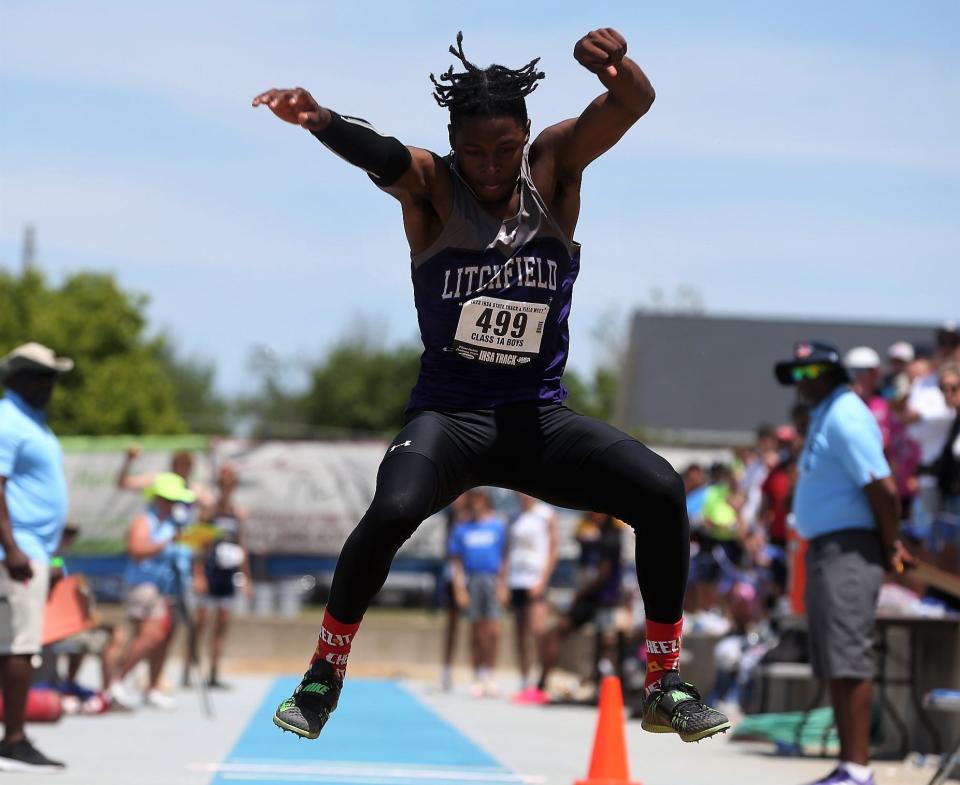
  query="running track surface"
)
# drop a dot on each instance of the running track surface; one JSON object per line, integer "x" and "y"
{"x": 380, "y": 735}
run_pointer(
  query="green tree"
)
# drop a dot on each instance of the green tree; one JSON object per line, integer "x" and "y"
{"x": 122, "y": 381}
{"x": 197, "y": 401}
{"x": 360, "y": 386}
{"x": 596, "y": 397}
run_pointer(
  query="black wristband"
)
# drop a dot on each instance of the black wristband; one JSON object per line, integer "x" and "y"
{"x": 384, "y": 158}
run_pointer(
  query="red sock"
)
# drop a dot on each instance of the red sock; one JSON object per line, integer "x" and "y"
{"x": 663, "y": 649}
{"x": 334, "y": 643}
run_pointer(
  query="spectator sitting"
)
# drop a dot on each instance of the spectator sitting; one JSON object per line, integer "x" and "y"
{"x": 103, "y": 641}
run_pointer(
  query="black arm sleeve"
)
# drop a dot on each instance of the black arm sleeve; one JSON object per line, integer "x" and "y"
{"x": 384, "y": 158}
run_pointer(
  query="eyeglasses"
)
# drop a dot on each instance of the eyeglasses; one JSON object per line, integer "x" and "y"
{"x": 949, "y": 389}
{"x": 814, "y": 371}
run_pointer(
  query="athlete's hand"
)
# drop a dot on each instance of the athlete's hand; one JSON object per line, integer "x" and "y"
{"x": 295, "y": 106}
{"x": 601, "y": 50}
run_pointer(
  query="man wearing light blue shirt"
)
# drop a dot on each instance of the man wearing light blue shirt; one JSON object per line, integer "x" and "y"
{"x": 33, "y": 511}
{"x": 846, "y": 505}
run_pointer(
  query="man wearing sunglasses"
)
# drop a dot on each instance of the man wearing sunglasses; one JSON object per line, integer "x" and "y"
{"x": 33, "y": 510}
{"x": 846, "y": 505}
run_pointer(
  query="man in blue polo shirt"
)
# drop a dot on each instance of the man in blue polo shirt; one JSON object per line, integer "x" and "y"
{"x": 33, "y": 510}
{"x": 846, "y": 505}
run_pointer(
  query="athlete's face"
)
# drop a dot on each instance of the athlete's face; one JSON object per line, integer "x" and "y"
{"x": 489, "y": 152}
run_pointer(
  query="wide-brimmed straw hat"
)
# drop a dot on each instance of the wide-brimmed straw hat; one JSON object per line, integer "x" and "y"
{"x": 33, "y": 357}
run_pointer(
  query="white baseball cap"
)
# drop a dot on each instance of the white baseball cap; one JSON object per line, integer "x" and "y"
{"x": 901, "y": 350}
{"x": 861, "y": 358}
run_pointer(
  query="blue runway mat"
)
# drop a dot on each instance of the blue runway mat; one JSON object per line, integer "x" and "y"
{"x": 379, "y": 735}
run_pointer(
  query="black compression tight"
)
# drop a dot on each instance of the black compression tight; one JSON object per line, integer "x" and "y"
{"x": 567, "y": 459}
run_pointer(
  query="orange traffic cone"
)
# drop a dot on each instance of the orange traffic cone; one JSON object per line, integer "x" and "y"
{"x": 608, "y": 764}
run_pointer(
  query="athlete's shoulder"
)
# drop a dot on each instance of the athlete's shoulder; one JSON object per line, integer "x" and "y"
{"x": 427, "y": 174}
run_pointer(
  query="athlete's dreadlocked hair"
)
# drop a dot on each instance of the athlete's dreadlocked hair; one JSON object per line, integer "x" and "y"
{"x": 494, "y": 91}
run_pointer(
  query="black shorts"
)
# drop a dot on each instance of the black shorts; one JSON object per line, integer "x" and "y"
{"x": 540, "y": 450}
{"x": 520, "y": 599}
{"x": 582, "y": 612}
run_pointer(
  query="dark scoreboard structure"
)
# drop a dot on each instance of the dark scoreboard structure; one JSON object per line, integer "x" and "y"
{"x": 709, "y": 380}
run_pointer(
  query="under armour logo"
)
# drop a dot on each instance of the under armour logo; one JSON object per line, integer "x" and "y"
{"x": 402, "y": 444}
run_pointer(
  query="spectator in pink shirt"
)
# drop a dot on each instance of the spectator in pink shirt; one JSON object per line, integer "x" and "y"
{"x": 863, "y": 365}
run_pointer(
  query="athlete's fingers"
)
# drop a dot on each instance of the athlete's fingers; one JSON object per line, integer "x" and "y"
{"x": 592, "y": 50}
{"x": 275, "y": 99}
{"x": 263, "y": 97}
{"x": 611, "y": 70}
{"x": 616, "y": 36}
{"x": 611, "y": 46}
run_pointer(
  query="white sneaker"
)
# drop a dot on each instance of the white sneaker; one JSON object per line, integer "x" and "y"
{"x": 121, "y": 697}
{"x": 491, "y": 689}
{"x": 160, "y": 700}
{"x": 476, "y": 689}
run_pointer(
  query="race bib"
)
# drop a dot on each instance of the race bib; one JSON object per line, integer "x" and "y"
{"x": 501, "y": 332}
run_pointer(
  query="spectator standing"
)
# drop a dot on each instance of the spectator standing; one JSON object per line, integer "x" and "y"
{"x": 33, "y": 511}
{"x": 695, "y": 488}
{"x": 532, "y": 549}
{"x": 458, "y": 512}
{"x": 223, "y": 562}
{"x": 846, "y": 506}
{"x": 181, "y": 463}
{"x": 948, "y": 462}
{"x": 896, "y": 382}
{"x": 596, "y": 600}
{"x": 478, "y": 550}
{"x": 761, "y": 461}
{"x": 157, "y": 572}
{"x": 863, "y": 366}
{"x": 928, "y": 417}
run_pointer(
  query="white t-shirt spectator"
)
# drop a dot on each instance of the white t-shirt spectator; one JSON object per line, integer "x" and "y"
{"x": 529, "y": 547}
{"x": 933, "y": 427}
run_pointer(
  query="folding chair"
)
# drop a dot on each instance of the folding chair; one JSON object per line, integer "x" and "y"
{"x": 944, "y": 700}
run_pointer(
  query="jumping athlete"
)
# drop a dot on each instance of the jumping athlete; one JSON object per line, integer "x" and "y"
{"x": 490, "y": 228}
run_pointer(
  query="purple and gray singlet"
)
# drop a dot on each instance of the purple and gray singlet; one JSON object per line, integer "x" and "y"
{"x": 493, "y": 298}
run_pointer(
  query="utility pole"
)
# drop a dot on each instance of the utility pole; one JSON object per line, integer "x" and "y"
{"x": 28, "y": 254}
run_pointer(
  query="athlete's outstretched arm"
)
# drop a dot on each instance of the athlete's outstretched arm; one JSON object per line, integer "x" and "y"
{"x": 578, "y": 141}
{"x": 403, "y": 171}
